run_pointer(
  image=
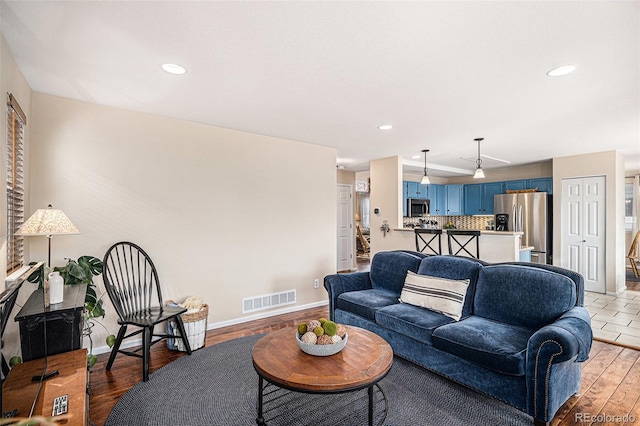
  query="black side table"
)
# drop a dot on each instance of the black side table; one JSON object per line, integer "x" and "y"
{"x": 64, "y": 323}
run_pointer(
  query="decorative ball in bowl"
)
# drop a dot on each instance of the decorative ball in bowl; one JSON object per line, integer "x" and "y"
{"x": 321, "y": 337}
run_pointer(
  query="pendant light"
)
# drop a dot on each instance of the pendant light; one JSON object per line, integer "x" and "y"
{"x": 479, "y": 174}
{"x": 425, "y": 179}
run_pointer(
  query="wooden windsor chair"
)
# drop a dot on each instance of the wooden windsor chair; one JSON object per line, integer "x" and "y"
{"x": 132, "y": 284}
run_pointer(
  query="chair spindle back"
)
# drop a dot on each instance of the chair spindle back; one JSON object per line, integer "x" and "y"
{"x": 131, "y": 279}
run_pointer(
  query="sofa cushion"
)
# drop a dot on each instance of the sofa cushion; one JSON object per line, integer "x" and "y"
{"x": 454, "y": 268}
{"x": 365, "y": 302}
{"x": 412, "y": 321}
{"x": 388, "y": 269}
{"x": 439, "y": 294}
{"x": 523, "y": 296}
{"x": 490, "y": 344}
{"x": 574, "y": 276}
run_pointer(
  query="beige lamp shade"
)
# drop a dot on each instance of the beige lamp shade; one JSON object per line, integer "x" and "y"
{"x": 48, "y": 221}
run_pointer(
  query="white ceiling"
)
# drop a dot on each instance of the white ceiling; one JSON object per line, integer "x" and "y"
{"x": 328, "y": 73}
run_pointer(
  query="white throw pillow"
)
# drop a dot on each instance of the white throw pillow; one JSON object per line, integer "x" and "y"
{"x": 438, "y": 294}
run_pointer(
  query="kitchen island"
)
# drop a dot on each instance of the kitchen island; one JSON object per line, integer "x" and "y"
{"x": 495, "y": 246}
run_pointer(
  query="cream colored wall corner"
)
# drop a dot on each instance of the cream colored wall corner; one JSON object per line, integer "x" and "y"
{"x": 224, "y": 214}
{"x": 386, "y": 195}
{"x": 611, "y": 165}
{"x": 12, "y": 81}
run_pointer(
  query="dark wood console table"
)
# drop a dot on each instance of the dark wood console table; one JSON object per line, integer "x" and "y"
{"x": 64, "y": 323}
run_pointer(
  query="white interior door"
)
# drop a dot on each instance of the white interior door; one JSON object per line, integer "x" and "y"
{"x": 583, "y": 229}
{"x": 346, "y": 237}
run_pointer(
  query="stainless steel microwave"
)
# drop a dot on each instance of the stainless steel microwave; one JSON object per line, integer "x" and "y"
{"x": 417, "y": 207}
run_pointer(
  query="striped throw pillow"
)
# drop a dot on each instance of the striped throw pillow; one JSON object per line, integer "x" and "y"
{"x": 438, "y": 294}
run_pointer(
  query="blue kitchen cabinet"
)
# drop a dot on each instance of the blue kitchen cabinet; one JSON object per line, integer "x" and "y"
{"x": 473, "y": 198}
{"x": 543, "y": 184}
{"x": 405, "y": 196}
{"x": 516, "y": 184}
{"x": 415, "y": 190}
{"x": 436, "y": 195}
{"x": 454, "y": 199}
{"x": 478, "y": 198}
{"x": 488, "y": 192}
{"x": 412, "y": 189}
{"x": 423, "y": 191}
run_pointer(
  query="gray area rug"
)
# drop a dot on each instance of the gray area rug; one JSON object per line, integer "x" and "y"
{"x": 217, "y": 385}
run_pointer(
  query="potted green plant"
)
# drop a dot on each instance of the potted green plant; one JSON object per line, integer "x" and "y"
{"x": 82, "y": 271}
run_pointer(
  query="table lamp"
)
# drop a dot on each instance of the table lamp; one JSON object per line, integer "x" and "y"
{"x": 47, "y": 222}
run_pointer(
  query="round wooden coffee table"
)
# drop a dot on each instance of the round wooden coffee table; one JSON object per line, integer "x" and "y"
{"x": 364, "y": 361}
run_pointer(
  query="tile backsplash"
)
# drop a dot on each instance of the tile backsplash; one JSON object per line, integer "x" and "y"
{"x": 461, "y": 222}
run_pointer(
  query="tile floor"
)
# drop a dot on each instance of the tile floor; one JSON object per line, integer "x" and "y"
{"x": 615, "y": 319}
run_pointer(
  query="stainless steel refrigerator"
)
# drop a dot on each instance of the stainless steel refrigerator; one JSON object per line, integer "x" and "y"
{"x": 528, "y": 212}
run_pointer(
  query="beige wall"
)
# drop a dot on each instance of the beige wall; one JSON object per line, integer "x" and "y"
{"x": 347, "y": 178}
{"x": 386, "y": 194}
{"x": 224, "y": 214}
{"x": 12, "y": 81}
{"x": 609, "y": 164}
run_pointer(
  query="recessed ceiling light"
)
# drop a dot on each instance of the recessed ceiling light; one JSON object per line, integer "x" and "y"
{"x": 174, "y": 69}
{"x": 560, "y": 71}
{"x": 385, "y": 127}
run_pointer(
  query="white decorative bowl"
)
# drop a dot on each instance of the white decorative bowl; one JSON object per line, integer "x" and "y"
{"x": 322, "y": 350}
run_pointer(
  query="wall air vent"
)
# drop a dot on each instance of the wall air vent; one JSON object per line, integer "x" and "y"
{"x": 268, "y": 301}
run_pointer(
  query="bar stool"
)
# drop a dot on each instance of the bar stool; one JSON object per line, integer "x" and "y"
{"x": 460, "y": 244}
{"x": 420, "y": 240}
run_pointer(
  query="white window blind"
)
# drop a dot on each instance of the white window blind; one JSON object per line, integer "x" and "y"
{"x": 16, "y": 120}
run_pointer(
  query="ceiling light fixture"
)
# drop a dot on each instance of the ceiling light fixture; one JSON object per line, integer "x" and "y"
{"x": 174, "y": 69}
{"x": 385, "y": 127}
{"x": 560, "y": 71}
{"x": 479, "y": 174}
{"x": 425, "y": 179}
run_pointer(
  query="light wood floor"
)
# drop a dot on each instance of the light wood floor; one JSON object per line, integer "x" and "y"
{"x": 610, "y": 379}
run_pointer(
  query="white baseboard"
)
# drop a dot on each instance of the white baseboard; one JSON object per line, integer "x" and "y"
{"x": 137, "y": 342}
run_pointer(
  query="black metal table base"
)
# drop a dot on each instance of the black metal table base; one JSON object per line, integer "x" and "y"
{"x": 279, "y": 406}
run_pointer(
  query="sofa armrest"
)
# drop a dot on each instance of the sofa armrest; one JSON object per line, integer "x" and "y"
{"x": 568, "y": 336}
{"x": 553, "y": 356}
{"x": 337, "y": 284}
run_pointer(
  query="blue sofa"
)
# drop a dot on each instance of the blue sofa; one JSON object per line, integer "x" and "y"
{"x": 521, "y": 337}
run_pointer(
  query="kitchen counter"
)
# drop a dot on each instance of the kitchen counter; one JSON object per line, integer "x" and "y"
{"x": 495, "y": 246}
{"x": 482, "y": 232}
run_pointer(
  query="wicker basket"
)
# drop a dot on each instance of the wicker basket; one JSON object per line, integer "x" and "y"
{"x": 195, "y": 325}
{"x": 519, "y": 191}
